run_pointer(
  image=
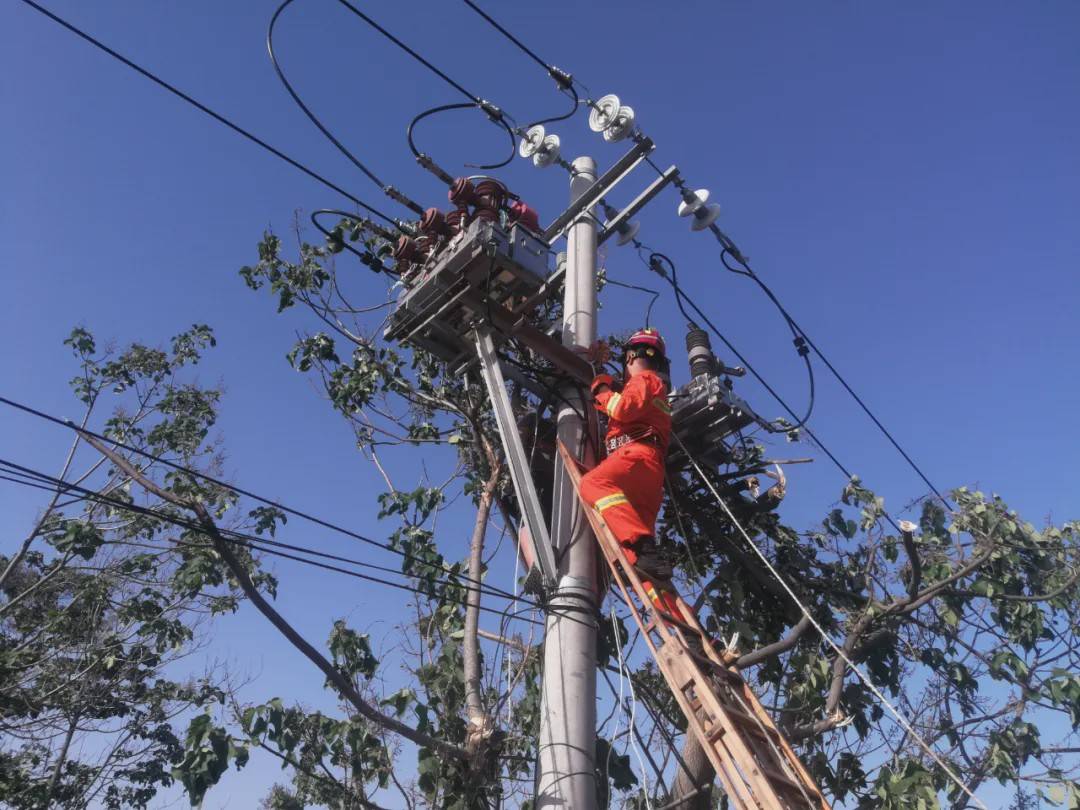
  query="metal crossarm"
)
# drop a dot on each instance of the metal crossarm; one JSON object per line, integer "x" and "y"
{"x": 754, "y": 762}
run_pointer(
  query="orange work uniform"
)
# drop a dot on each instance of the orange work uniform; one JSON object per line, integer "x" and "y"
{"x": 627, "y": 487}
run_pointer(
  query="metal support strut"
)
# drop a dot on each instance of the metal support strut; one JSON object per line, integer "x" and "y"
{"x": 517, "y": 460}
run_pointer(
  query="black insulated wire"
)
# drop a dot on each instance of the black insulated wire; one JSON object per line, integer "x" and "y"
{"x": 238, "y": 490}
{"x": 322, "y": 127}
{"x": 366, "y": 257}
{"x": 235, "y": 538}
{"x": 564, "y": 80}
{"x": 462, "y": 106}
{"x": 654, "y": 263}
{"x": 471, "y": 96}
{"x": 648, "y": 290}
{"x": 575, "y": 102}
{"x": 494, "y": 113}
{"x": 300, "y": 103}
{"x": 744, "y": 269}
{"x": 215, "y": 115}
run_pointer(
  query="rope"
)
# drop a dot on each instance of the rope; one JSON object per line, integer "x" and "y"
{"x": 624, "y": 674}
{"x": 903, "y": 721}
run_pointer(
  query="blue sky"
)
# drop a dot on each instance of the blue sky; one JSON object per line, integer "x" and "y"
{"x": 905, "y": 176}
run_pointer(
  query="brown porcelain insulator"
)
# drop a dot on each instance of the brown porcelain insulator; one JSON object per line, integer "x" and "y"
{"x": 462, "y": 193}
{"x": 434, "y": 223}
{"x": 457, "y": 219}
{"x": 490, "y": 194}
{"x": 405, "y": 249}
{"x": 425, "y": 245}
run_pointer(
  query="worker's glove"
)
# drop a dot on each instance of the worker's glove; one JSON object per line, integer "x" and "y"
{"x": 597, "y": 354}
{"x": 601, "y": 380}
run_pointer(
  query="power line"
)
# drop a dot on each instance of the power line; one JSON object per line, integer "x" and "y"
{"x": 749, "y": 272}
{"x": 240, "y": 491}
{"x": 215, "y": 115}
{"x": 800, "y": 334}
{"x": 295, "y": 97}
{"x": 673, "y": 280}
{"x": 903, "y": 721}
{"x": 265, "y": 545}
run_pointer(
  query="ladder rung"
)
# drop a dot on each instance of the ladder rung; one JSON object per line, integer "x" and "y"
{"x": 788, "y": 784}
{"x": 752, "y": 724}
{"x": 715, "y": 667}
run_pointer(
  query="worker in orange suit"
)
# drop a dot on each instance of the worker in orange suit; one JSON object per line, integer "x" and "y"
{"x": 627, "y": 487}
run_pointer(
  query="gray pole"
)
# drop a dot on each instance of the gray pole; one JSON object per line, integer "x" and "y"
{"x": 565, "y": 776}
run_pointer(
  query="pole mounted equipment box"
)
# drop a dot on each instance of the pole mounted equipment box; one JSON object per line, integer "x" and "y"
{"x": 704, "y": 412}
{"x": 487, "y": 267}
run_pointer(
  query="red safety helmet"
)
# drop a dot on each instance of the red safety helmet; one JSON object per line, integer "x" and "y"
{"x": 647, "y": 338}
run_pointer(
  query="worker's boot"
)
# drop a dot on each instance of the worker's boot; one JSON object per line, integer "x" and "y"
{"x": 650, "y": 564}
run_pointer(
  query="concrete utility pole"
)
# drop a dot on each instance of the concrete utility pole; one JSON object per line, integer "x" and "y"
{"x": 565, "y": 776}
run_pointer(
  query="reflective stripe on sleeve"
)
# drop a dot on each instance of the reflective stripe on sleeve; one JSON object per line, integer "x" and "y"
{"x": 662, "y": 404}
{"x": 612, "y": 404}
{"x": 610, "y": 500}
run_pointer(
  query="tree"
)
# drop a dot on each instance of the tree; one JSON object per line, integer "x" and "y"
{"x": 964, "y": 621}
{"x": 99, "y": 602}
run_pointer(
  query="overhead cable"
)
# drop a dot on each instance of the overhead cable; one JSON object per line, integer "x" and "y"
{"x": 390, "y": 191}
{"x": 730, "y": 249}
{"x": 900, "y": 718}
{"x": 240, "y": 491}
{"x": 215, "y": 115}
{"x": 249, "y": 541}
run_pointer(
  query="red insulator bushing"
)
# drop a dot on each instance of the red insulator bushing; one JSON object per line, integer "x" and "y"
{"x": 405, "y": 249}
{"x": 486, "y": 215}
{"x": 433, "y": 222}
{"x": 457, "y": 220}
{"x": 525, "y": 215}
{"x": 490, "y": 194}
{"x": 462, "y": 192}
{"x": 425, "y": 245}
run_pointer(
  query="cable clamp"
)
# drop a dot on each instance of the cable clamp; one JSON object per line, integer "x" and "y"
{"x": 561, "y": 77}
{"x": 800, "y": 346}
{"x": 656, "y": 267}
{"x": 492, "y": 111}
{"x": 400, "y": 197}
{"x": 428, "y": 163}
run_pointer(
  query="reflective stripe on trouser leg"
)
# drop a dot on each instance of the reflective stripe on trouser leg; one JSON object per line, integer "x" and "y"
{"x": 664, "y": 601}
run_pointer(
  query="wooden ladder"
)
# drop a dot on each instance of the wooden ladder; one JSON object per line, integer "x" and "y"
{"x": 754, "y": 762}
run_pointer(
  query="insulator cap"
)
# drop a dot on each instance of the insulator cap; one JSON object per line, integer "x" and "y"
{"x": 405, "y": 249}
{"x": 433, "y": 222}
{"x": 456, "y": 220}
{"x": 462, "y": 192}
{"x": 490, "y": 194}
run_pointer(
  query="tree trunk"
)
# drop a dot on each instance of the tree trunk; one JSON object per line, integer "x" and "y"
{"x": 60, "y": 760}
{"x": 701, "y": 776}
{"x": 478, "y": 721}
{"x": 343, "y": 685}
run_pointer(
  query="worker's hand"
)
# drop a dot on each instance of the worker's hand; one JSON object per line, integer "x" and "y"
{"x": 597, "y": 354}
{"x": 600, "y": 383}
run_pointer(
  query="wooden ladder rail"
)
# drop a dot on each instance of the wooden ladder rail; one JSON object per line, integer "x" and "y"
{"x": 755, "y": 763}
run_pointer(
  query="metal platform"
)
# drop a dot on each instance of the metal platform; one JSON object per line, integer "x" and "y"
{"x": 704, "y": 412}
{"x": 487, "y": 268}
